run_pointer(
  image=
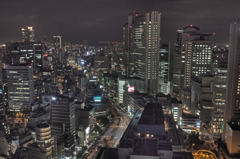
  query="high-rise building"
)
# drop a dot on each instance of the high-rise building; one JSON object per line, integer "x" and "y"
{"x": 63, "y": 123}
{"x": 58, "y": 44}
{"x": 164, "y": 86}
{"x": 20, "y": 88}
{"x": 28, "y": 34}
{"x": 2, "y": 111}
{"x": 142, "y": 40}
{"x": 44, "y": 145}
{"x": 128, "y": 45}
{"x": 194, "y": 50}
{"x": 231, "y": 129}
{"x": 31, "y": 53}
{"x": 219, "y": 90}
{"x": 178, "y": 67}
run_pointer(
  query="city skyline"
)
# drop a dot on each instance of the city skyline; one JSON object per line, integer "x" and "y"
{"x": 102, "y": 20}
{"x": 120, "y": 79}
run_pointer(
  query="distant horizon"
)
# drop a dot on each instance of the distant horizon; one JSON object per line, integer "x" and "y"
{"x": 97, "y": 20}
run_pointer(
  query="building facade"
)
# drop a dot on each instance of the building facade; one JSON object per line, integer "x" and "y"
{"x": 20, "y": 88}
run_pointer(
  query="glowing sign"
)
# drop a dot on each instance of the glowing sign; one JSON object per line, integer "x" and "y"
{"x": 97, "y": 99}
{"x": 131, "y": 89}
{"x": 0, "y": 91}
{"x": 82, "y": 62}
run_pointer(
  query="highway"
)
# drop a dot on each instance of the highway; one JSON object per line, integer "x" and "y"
{"x": 112, "y": 135}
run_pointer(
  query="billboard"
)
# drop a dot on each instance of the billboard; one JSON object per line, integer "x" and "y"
{"x": 131, "y": 89}
{"x": 97, "y": 99}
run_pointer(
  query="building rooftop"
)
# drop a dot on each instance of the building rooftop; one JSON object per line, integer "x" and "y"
{"x": 234, "y": 125}
{"x": 152, "y": 115}
{"x": 147, "y": 147}
{"x": 43, "y": 125}
{"x": 187, "y": 115}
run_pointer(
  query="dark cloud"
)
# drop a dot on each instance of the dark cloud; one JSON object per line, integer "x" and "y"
{"x": 95, "y": 20}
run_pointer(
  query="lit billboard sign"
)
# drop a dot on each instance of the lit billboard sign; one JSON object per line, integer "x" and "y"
{"x": 131, "y": 89}
{"x": 82, "y": 62}
{"x": 97, "y": 99}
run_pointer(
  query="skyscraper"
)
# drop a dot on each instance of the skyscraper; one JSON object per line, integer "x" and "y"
{"x": 219, "y": 89}
{"x": 20, "y": 88}
{"x": 193, "y": 58}
{"x": 231, "y": 129}
{"x": 63, "y": 123}
{"x": 2, "y": 111}
{"x": 57, "y": 42}
{"x": 28, "y": 34}
{"x": 128, "y": 44}
{"x": 143, "y": 43}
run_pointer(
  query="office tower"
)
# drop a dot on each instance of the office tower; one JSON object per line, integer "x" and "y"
{"x": 101, "y": 64}
{"x": 44, "y": 145}
{"x": 201, "y": 98}
{"x": 28, "y": 34}
{"x": 129, "y": 86}
{"x": 128, "y": 44}
{"x": 63, "y": 123}
{"x": 31, "y": 53}
{"x": 194, "y": 50}
{"x": 58, "y": 44}
{"x": 178, "y": 69}
{"x": 171, "y": 54}
{"x": 2, "y": 111}
{"x": 20, "y": 88}
{"x": 145, "y": 48}
{"x": 164, "y": 86}
{"x": 231, "y": 129}
{"x": 219, "y": 89}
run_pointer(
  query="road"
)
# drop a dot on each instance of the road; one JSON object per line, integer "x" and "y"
{"x": 113, "y": 134}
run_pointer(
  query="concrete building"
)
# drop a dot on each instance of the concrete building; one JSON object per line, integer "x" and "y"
{"x": 219, "y": 91}
{"x": 193, "y": 58}
{"x": 201, "y": 98}
{"x": 63, "y": 123}
{"x": 28, "y": 34}
{"x": 147, "y": 136}
{"x": 85, "y": 116}
{"x": 44, "y": 145}
{"x": 101, "y": 106}
{"x": 164, "y": 86}
{"x": 137, "y": 101}
{"x": 232, "y": 109}
{"x": 2, "y": 108}
{"x": 20, "y": 88}
{"x": 58, "y": 42}
{"x": 142, "y": 43}
{"x": 128, "y": 45}
{"x": 31, "y": 53}
{"x": 177, "y": 110}
{"x": 129, "y": 85}
{"x": 189, "y": 123}
{"x": 101, "y": 63}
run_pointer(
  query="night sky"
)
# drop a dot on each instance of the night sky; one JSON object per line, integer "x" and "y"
{"x": 93, "y": 20}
